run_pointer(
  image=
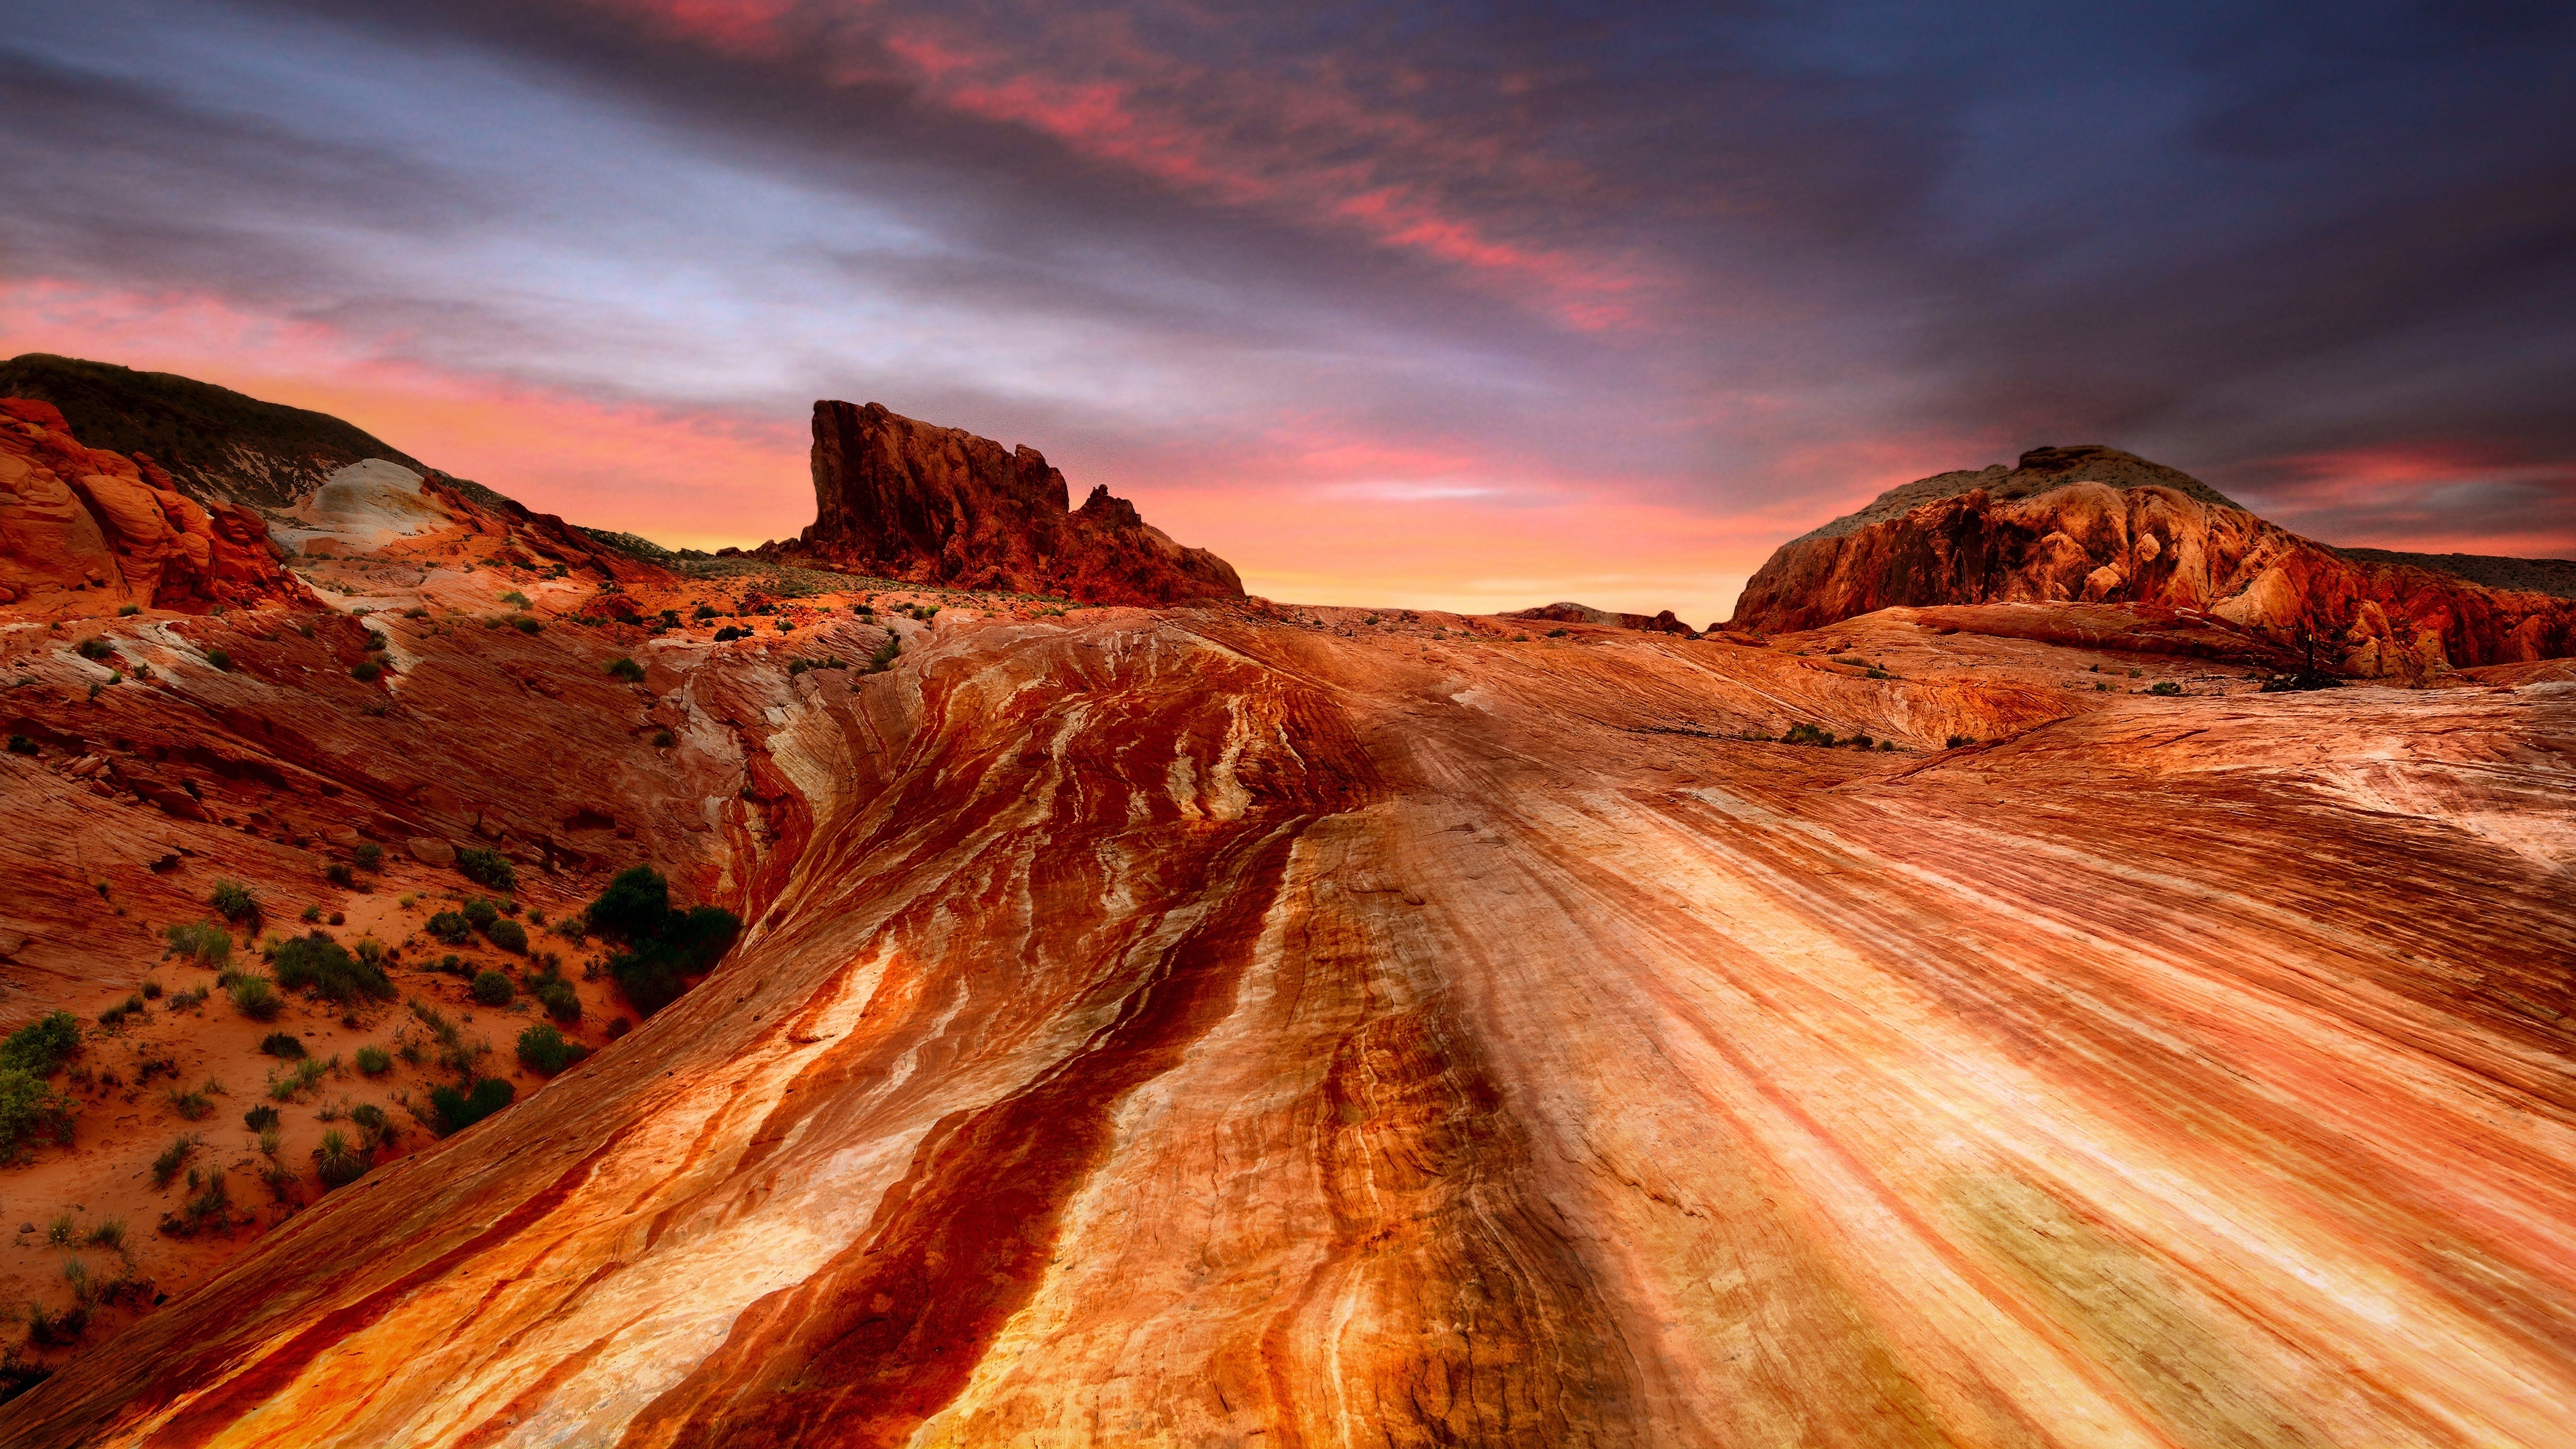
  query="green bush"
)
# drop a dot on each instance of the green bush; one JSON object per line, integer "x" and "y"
{"x": 233, "y": 901}
{"x": 367, "y": 671}
{"x": 2164, "y": 687}
{"x": 40, "y": 1047}
{"x": 172, "y": 1158}
{"x": 486, "y": 868}
{"x": 339, "y": 875}
{"x": 260, "y": 1119}
{"x": 220, "y": 659}
{"x": 94, "y": 649}
{"x": 451, "y": 927}
{"x": 369, "y": 856}
{"x": 282, "y": 1044}
{"x": 374, "y": 1061}
{"x": 1803, "y": 733}
{"x": 256, "y": 997}
{"x": 336, "y": 1162}
{"x": 194, "y": 1106}
{"x": 30, "y": 1109}
{"x": 509, "y": 936}
{"x": 480, "y": 913}
{"x": 457, "y": 1110}
{"x": 21, "y": 745}
{"x": 525, "y": 625}
{"x": 883, "y": 659}
{"x": 558, "y": 997}
{"x": 626, "y": 669}
{"x": 662, "y": 945}
{"x": 545, "y": 1051}
{"x": 491, "y": 988}
{"x": 321, "y": 965}
{"x": 515, "y": 597}
{"x": 1955, "y": 741}
{"x": 663, "y": 740}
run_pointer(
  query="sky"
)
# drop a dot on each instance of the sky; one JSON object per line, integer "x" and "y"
{"x": 1420, "y": 305}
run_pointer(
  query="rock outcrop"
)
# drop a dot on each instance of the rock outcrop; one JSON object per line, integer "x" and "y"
{"x": 1206, "y": 1027}
{"x": 87, "y": 531}
{"x": 1572, "y": 613}
{"x": 900, "y": 499}
{"x": 216, "y": 444}
{"x": 2097, "y": 525}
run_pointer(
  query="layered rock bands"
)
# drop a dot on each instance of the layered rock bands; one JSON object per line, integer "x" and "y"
{"x": 900, "y": 499}
{"x": 2097, "y": 525}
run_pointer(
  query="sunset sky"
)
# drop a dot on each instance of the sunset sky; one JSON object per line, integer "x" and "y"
{"x": 1433, "y": 305}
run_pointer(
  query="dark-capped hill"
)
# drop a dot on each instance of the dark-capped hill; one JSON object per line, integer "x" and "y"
{"x": 898, "y": 498}
{"x": 216, "y": 444}
{"x": 2098, "y": 525}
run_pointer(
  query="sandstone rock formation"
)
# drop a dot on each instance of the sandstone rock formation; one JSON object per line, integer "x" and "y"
{"x": 1250, "y": 1024}
{"x": 86, "y": 531}
{"x": 217, "y": 445}
{"x": 1571, "y": 613}
{"x": 2099, "y": 526}
{"x": 896, "y": 498}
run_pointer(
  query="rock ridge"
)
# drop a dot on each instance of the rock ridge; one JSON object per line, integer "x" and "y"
{"x": 898, "y": 498}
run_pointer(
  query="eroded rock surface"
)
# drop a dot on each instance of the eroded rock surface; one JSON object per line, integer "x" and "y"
{"x": 909, "y": 500}
{"x": 1259, "y": 1025}
{"x": 1573, "y": 613}
{"x": 2096, "y": 525}
{"x": 87, "y": 531}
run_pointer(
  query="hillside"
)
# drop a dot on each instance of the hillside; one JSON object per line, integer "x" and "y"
{"x": 218, "y": 445}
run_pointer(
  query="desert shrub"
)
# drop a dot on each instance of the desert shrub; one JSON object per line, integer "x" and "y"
{"x": 369, "y": 856}
{"x": 626, "y": 669}
{"x": 729, "y": 633}
{"x": 107, "y": 1233}
{"x": 619, "y": 1026}
{"x": 1887, "y": 747}
{"x": 338, "y": 1163}
{"x": 339, "y": 875}
{"x": 94, "y": 649}
{"x": 256, "y": 997}
{"x": 491, "y": 988}
{"x": 233, "y": 901}
{"x": 21, "y": 745}
{"x": 663, "y": 945}
{"x": 545, "y": 1051}
{"x": 367, "y": 671}
{"x": 306, "y": 1075}
{"x": 480, "y": 913}
{"x": 47, "y": 1329}
{"x": 558, "y": 997}
{"x": 322, "y": 965}
{"x": 374, "y": 1061}
{"x": 260, "y": 1119}
{"x": 457, "y": 1109}
{"x": 1955, "y": 741}
{"x": 62, "y": 1230}
{"x": 1862, "y": 741}
{"x": 220, "y": 659}
{"x": 2164, "y": 687}
{"x": 663, "y": 739}
{"x": 486, "y": 868}
{"x": 525, "y": 624}
{"x": 884, "y": 657}
{"x": 514, "y": 597}
{"x": 509, "y": 936}
{"x": 451, "y": 927}
{"x": 312, "y": 915}
{"x": 704, "y": 611}
{"x": 1803, "y": 733}
{"x": 282, "y": 1044}
{"x": 172, "y": 1158}
{"x": 41, "y": 1046}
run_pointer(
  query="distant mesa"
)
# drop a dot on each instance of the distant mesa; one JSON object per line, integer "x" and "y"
{"x": 2100, "y": 526}
{"x": 901, "y": 499}
{"x": 1570, "y": 613}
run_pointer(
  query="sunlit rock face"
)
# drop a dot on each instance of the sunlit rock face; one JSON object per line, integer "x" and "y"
{"x": 2097, "y": 525}
{"x": 1251, "y": 1026}
{"x": 85, "y": 531}
{"x": 901, "y": 499}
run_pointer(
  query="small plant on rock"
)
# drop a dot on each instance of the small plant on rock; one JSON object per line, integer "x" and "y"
{"x": 233, "y": 900}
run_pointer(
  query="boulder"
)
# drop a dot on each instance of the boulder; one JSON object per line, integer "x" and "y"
{"x": 430, "y": 852}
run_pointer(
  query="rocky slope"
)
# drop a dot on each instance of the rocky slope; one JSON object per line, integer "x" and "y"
{"x": 900, "y": 499}
{"x": 216, "y": 445}
{"x": 87, "y": 531}
{"x": 2099, "y": 526}
{"x": 1572, "y": 613}
{"x": 1255, "y": 1024}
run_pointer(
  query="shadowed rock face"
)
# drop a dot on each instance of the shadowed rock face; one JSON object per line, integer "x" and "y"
{"x": 896, "y": 498}
{"x": 1571, "y": 613}
{"x": 2096, "y": 525}
{"x": 1240, "y": 1025}
{"x": 86, "y": 531}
